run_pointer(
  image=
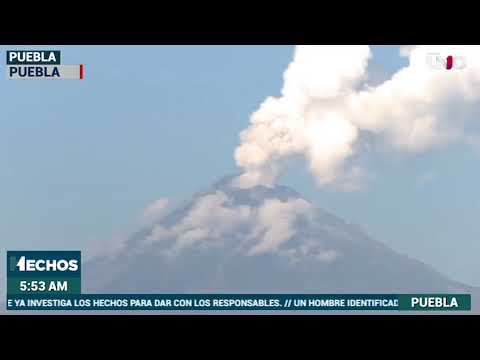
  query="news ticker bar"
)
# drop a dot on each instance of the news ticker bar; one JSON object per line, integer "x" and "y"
{"x": 241, "y": 302}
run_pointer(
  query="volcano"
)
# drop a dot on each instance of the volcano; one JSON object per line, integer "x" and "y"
{"x": 258, "y": 240}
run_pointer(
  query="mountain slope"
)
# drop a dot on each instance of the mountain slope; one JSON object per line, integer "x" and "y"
{"x": 258, "y": 240}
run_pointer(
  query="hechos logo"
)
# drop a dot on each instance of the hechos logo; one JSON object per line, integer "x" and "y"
{"x": 24, "y": 264}
{"x": 450, "y": 62}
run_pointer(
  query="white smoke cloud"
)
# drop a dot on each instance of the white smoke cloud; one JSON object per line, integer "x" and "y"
{"x": 208, "y": 219}
{"x": 155, "y": 211}
{"x": 213, "y": 218}
{"x": 304, "y": 120}
{"x": 405, "y": 50}
{"x": 275, "y": 223}
{"x": 324, "y": 112}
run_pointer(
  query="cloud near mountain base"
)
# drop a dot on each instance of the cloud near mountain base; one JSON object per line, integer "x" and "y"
{"x": 214, "y": 218}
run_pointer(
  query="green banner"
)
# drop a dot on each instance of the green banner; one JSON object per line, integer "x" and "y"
{"x": 43, "y": 272}
{"x": 44, "y": 286}
{"x": 434, "y": 302}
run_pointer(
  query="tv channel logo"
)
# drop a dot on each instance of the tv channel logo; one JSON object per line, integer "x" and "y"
{"x": 43, "y": 272}
{"x": 43, "y": 262}
{"x": 450, "y": 62}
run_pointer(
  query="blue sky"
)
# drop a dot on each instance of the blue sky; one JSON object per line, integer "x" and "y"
{"x": 80, "y": 160}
